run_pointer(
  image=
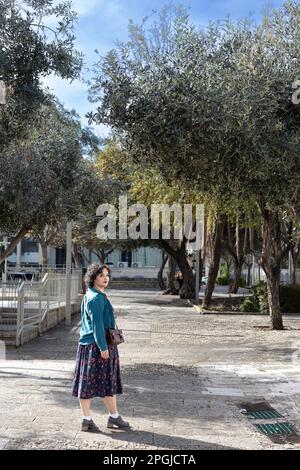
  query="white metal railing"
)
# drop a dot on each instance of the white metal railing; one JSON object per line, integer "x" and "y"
{"x": 31, "y": 273}
{"x": 26, "y": 305}
{"x": 8, "y": 305}
{"x": 257, "y": 274}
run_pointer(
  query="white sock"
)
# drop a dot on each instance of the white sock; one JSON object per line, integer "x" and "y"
{"x": 87, "y": 417}
{"x": 114, "y": 415}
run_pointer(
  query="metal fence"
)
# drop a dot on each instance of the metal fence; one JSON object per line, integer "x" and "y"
{"x": 32, "y": 273}
{"x": 8, "y": 306}
{"x": 26, "y": 305}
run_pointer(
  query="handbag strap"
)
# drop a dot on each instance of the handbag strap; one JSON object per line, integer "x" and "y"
{"x": 116, "y": 326}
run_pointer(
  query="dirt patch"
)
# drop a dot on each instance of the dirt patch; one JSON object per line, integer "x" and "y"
{"x": 223, "y": 305}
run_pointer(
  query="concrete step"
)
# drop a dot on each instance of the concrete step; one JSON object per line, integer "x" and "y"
{"x": 7, "y": 321}
{"x": 8, "y": 327}
{"x": 134, "y": 283}
{"x": 9, "y": 342}
{"x": 150, "y": 284}
{"x": 133, "y": 286}
{"x": 11, "y": 309}
{"x": 6, "y": 336}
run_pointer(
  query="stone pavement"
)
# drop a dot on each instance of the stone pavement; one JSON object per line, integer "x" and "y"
{"x": 184, "y": 376}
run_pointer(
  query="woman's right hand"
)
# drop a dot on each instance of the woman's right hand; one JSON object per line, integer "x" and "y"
{"x": 105, "y": 354}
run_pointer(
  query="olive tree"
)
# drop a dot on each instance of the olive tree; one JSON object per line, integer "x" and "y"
{"x": 214, "y": 106}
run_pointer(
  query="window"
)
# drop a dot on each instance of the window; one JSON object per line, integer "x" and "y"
{"x": 29, "y": 246}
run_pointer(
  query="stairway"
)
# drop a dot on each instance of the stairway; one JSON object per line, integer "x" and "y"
{"x": 134, "y": 283}
{"x": 8, "y": 326}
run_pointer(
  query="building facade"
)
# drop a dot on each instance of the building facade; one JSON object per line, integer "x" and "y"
{"x": 29, "y": 254}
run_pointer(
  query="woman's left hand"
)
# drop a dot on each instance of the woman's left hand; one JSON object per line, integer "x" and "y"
{"x": 105, "y": 354}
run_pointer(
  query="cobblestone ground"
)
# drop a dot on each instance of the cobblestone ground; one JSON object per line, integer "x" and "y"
{"x": 184, "y": 377}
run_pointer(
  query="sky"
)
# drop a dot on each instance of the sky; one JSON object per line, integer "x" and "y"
{"x": 102, "y": 22}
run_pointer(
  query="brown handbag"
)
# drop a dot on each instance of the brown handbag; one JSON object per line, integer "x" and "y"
{"x": 114, "y": 336}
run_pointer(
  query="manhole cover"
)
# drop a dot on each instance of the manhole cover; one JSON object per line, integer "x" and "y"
{"x": 264, "y": 414}
{"x": 270, "y": 423}
{"x": 275, "y": 428}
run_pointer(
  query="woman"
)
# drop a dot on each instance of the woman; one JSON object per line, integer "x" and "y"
{"x": 97, "y": 371}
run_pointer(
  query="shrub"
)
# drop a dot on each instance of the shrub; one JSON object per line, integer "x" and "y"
{"x": 223, "y": 281}
{"x": 289, "y": 299}
{"x": 258, "y": 302}
{"x": 224, "y": 270}
{"x": 242, "y": 282}
{"x": 261, "y": 296}
{"x": 249, "y": 305}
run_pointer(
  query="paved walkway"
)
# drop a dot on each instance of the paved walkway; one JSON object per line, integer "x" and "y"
{"x": 184, "y": 377}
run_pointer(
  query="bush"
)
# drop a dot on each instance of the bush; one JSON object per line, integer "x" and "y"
{"x": 223, "y": 281}
{"x": 260, "y": 294}
{"x": 242, "y": 282}
{"x": 258, "y": 302}
{"x": 224, "y": 270}
{"x": 249, "y": 305}
{"x": 290, "y": 298}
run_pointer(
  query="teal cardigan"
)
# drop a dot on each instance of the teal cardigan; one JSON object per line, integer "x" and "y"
{"x": 98, "y": 318}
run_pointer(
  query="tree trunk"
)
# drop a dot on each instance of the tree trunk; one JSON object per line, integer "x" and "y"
{"x": 249, "y": 267}
{"x": 204, "y": 245}
{"x": 44, "y": 248}
{"x": 170, "y": 288}
{"x": 77, "y": 257}
{"x": 201, "y": 264}
{"x": 9, "y": 250}
{"x": 271, "y": 267}
{"x": 187, "y": 290}
{"x": 45, "y": 240}
{"x": 160, "y": 277}
{"x": 105, "y": 254}
{"x": 237, "y": 252}
{"x": 274, "y": 303}
{"x": 215, "y": 259}
{"x": 98, "y": 254}
{"x": 234, "y": 287}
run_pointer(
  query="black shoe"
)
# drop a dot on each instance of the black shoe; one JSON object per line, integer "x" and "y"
{"x": 118, "y": 423}
{"x": 88, "y": 425}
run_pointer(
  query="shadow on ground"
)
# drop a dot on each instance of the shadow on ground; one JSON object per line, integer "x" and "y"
{"x": 141, "y": 438}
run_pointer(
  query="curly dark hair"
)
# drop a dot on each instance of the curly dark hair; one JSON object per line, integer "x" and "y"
{"x": 92, "y": 272}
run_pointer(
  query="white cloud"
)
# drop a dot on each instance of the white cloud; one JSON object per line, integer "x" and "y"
{"x": 113, "y": 8}
{"x": 74, "y": 96}
{"x": 86, "y": 6}
{"x": 71, "y": 95}
{"x": 65, "y": 87}
{"x": 109, "y": 9}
